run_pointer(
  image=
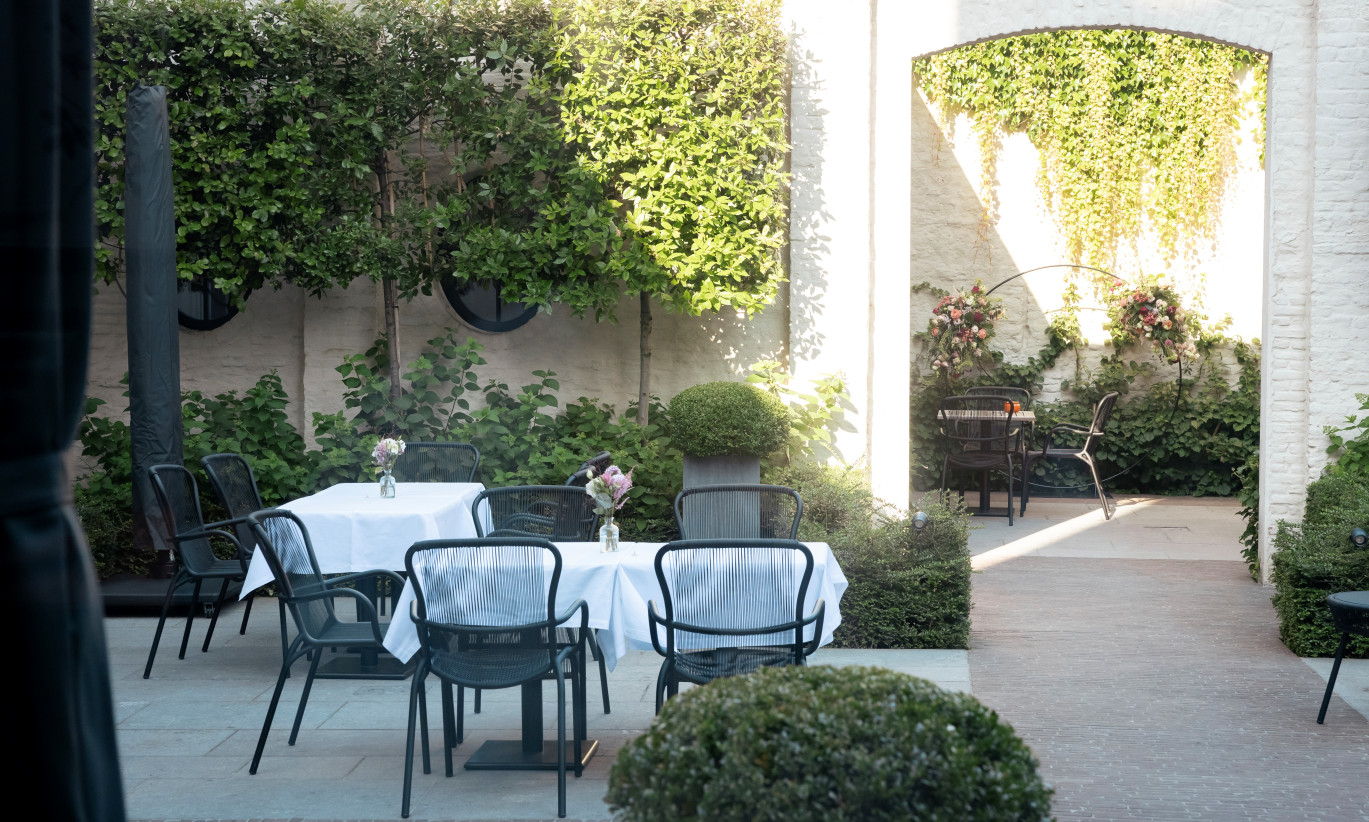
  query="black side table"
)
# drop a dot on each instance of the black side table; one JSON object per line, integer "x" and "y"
{"x": 1350, "y": 610}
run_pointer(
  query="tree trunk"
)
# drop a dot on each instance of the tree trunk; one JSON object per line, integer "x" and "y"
{"x": 389, "y": 288}
{"x": 644, "y": 386}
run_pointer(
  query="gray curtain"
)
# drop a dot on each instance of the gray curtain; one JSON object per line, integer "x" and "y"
{"x": 61, "y": 720}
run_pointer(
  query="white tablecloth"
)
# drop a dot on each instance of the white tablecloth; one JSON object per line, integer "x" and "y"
{"x": 353, "y": 529}
{"x": 616, "y": 587}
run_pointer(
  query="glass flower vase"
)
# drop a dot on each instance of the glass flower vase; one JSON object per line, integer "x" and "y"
{"x": 608, "y": 536}
{"x": 387, "y": 485}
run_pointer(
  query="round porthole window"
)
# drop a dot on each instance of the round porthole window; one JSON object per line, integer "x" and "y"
{"x": 480, "y": 305}
{"x": 202, "y": 307}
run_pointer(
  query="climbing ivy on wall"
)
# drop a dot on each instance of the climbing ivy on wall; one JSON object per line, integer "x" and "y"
{"x": 1136, "y": 130}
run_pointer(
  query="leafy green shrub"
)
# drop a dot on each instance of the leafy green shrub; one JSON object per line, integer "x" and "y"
{"x": 105, "y": 516}
{"x": 829, "y": 744}
{"x": 907, "y": 588}
{"x": 1249, "y": 498}
{"x": 728, "y": 419}
{"x": 1315, "y": 558}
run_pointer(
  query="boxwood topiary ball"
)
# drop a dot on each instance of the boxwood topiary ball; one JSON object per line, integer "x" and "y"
{"x": 820, "y": 743}
{"x": 728, "y": 419}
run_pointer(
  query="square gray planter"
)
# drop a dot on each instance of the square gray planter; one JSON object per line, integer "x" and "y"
{"x": 721, "y": 470}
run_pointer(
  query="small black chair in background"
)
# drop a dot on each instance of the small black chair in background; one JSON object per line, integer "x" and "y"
{"x": 1350, "y": 610}
{"x": 561, "y": 513}
{"x": 982, "y": 438}
{"x": 597, "y": 463}
{"x": 179, "y": 498}
{"x": 437, "y": 462}
{"x": 284, "y": 543}
{"x": 738, "y": 512}
{"x": 731, "y": 607}
{"x": 1087, "y": 452}
{"x": 236, "y": 487}
{"x": 470, "y": 596}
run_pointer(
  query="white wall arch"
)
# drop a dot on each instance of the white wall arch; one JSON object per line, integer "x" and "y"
{"x": 849, "y": 177}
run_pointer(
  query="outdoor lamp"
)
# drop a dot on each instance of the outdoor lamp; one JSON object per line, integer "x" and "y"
{"x": 1359, "y": 537}
{"x": 920, "y": 521}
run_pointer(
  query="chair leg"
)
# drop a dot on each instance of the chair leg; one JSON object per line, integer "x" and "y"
{"x": 661, "y": 686}
{"x": 1010, "y": 481}
{"x": 304, "y": 695}
{"x": 1331, "y": 682}
{"x": 423, "y": 729}
{"x": 284, "y": 634}
{"x": 460, "y": 714}
{"x": 560, "y": 743}
{"x": 603, "y": 667}
{"x": 190, "y": 618}
{"x": 477, "y": 699}
{"x": 161, "y": 623}
{"x": 409, "y": 745}
{"x": 275, "y": 700}
{"x": 1026, "y": 470}
{"x": 448, "y": 723}
{"x": 1098, "y": 484}
{"x": 214, "y": 620}
{"x": 246, "y": 612}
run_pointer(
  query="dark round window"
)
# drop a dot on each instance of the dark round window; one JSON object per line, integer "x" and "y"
{"x": 201, "y": 306}
{"x": 480, "y": 305}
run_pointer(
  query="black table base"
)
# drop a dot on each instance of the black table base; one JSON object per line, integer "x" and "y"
{"x": 356, "y": 666}
{"x": 508, "y": 755}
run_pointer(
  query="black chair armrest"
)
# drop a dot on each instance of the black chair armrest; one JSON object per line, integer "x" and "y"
{"x": 817, "y": 617}
{"x": 578, "y": 605}
{"x": 238, "y": 553}
{"x": 365, "y": 608}
{"x": 653, "y": 619}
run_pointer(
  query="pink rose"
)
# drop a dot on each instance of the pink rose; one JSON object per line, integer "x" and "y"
{"x": 983, "y": 333}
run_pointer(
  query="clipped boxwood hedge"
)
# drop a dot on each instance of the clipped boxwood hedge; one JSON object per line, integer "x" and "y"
{"x": 907, "y": 588}
{"x": 1315, "y": 558}
{"x": 716, "y": 419}
{"x": 828, "y": 745}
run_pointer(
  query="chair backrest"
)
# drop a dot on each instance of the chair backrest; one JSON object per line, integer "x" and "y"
{"x": 437, "y": 462}
{"x": 179, "y": 498}
{"x": 471, "y": 592}
{"x": 555, "y": 512}
{"x": 733, "y": 584}
{"x": 979, "y": 423}
{"x": 284, "y": 542}
{"x": 738, "y": 512}
{"x": 1019, "y": 395}
{"x": 1101, "y": 414}
{"x": 598, "y": 463}
{"x": 236, "y": 486}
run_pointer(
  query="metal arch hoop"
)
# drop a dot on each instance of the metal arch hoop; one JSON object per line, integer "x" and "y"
{"x": 1179, "y": 384}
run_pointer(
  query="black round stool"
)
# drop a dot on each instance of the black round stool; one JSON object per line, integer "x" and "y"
{"x": 1350, "y": 610}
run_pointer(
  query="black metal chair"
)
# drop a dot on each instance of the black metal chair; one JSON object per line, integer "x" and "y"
{"x": 284, "y": 543}
{"x": 179, "y": 498}
{"x": 981, "y": 438}
{"x": 1350, "y": 610}
{"x": 1086, "y": 453}
{"x": 731, "y": 607}
{"x": 236, "y": 487}
{"x": 1021, "y": 396}
{"x": 470, "y": 595}
{"x": 437, "y": 462}
{"x": 738, "y": 512}
{"x": 564, "y": 513}
{"x": 597, "y": 463}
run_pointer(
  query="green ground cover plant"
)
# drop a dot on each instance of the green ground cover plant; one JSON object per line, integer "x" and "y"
{"x": 908, "y": 588}
{"x": 829, "y": 744}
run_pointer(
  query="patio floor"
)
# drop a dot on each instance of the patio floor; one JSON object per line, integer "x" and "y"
{"x": 1134, "y": 656}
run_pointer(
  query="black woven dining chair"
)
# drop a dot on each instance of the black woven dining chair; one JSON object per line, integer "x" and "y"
{"x": 236, "y": 487}
{"x": 731, "y": 607}
{"x": 562, "y": 513}
{"x": 179, "y": 498}
{"x": 981, "y": 437}
{"x": 284, "y": 543}
{"x": 1086, "y": 452}
{"x": 739, "y": 511}
{"x": 437, "y": 462}
{"x": 469, "y": 595}
{"x": 596, "y": 464}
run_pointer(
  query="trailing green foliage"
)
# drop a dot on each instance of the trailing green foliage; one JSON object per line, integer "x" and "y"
{"x": 1136, "y": 129}
{"x": 728, "y": 419}
{"x": 1249, "y": 498}
{"x": 830, "y": 744}
{"x": 812, "y": 417}
{"x": 907, "y": 588}
{"x": 1315, "y": 558}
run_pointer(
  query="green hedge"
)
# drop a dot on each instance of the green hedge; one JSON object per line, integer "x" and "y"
{"x": 728, "y": 418}
{"x": 1315, "y": 558}
{"x": 907, "y": 588}
{"x": 829, "y": 744}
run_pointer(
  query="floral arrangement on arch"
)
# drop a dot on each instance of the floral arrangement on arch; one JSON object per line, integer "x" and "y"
{"x": 960, "y": 329}
{"x": 1150, "y": 312}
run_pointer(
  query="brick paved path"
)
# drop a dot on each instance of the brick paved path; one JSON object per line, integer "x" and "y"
{"x": 1159, "y": 690}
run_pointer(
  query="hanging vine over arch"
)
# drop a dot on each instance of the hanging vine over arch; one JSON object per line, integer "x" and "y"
{"x": 1137, "y": 130}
